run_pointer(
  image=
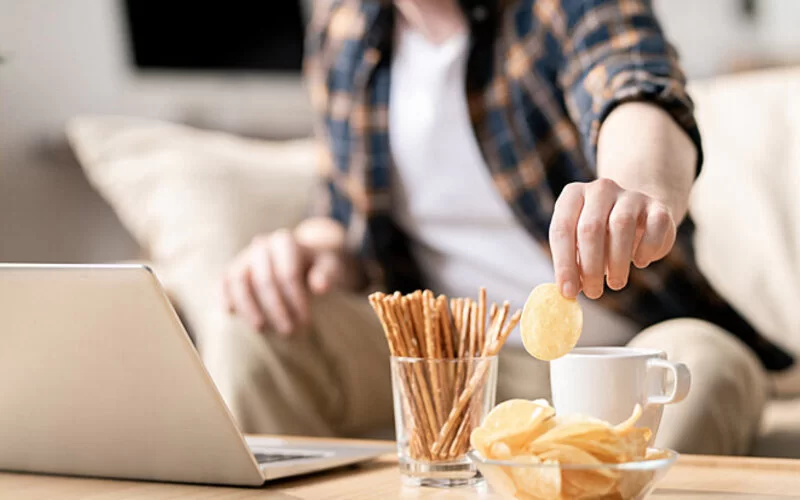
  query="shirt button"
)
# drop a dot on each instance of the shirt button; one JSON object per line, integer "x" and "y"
{"x": 479, "y": 13}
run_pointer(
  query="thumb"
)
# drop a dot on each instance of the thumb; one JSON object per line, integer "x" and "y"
{"x": 324, "y": 273}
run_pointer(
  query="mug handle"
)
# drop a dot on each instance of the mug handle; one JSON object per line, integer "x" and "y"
{"x": 682, "y": 381}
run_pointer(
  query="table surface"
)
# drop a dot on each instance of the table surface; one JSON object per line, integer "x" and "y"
{"x": 693, "y": 477}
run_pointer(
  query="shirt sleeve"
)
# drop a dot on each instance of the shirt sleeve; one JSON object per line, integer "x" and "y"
{"x": 614, "y": 51}
{"x": 328, "y": 200}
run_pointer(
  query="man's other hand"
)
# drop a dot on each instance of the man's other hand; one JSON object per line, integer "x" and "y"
{"x": 270, "y": 282}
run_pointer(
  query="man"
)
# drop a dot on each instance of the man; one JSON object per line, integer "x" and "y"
{"x": 496, "y": 143}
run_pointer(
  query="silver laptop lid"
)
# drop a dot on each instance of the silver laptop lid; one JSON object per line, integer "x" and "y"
{"x": 98, "y": 377}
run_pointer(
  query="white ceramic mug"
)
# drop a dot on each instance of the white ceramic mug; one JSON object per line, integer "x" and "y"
{"x": 608, "y": 382}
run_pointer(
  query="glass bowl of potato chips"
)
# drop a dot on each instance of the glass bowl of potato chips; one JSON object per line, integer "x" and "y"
{"x": 528, "y": 477}
{"x": 524, "y": 450}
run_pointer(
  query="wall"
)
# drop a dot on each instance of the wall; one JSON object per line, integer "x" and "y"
{"x": 711, "y": 35}
{"x": 67, "y": 58}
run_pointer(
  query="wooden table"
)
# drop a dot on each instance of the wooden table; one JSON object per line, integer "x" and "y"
{"x": 693, "y": 477}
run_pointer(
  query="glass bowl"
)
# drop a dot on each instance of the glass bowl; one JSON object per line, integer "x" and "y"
{"x": 623, "y": 481}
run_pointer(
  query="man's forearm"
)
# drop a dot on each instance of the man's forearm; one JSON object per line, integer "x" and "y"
{"x": 642, "y": 149}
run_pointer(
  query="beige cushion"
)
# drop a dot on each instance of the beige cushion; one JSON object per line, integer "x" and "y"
{"x": 745, "y": 202}
{"x": 193, "y": 198}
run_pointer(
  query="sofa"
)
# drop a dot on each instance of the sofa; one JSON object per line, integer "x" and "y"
{"x": 193, "y": 198}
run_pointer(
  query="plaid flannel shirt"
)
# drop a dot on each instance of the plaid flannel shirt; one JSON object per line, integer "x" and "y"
{"x": 541, "y": 77}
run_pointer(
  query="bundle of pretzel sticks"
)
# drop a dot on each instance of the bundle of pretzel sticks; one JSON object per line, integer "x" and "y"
{"x": 443, "y": 399}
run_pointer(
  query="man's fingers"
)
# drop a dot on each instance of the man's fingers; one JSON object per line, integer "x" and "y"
{"x": 324, "y": 272}
{"x": 659, "y": 235}
{"x": 268, "y": 294}
{"x": 227, "y": 298}
{"x": 563, "y": 240}
{"x": 288, "y": 265}
{"x": 626, "y": 216}
{"x": 243, "y": 299}
{"x": 592, "y": 226}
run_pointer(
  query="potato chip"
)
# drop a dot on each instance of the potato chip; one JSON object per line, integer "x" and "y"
{"x": 631, "y": 482}
{"x": 500, "y": 480}
{"x": 538, "y": 482}
{"x": 653, "y": 454}
{"x": 527, "y": 432}
{"x": 634, "y": 442}
{"x": 551, "y": 324}
{"x": 631, "y": 421}
{"x": 584, "y": 431}
{"x": 479, "y": 439}
{"x": 500, "y": 451}
{"x": 566, "y": 454}
{"x": 608, "y": 452}
{"x": 586, "y": 483}
{"x": 514, "y": 422}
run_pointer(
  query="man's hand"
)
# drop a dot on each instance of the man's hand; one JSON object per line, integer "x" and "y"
{"x": 598, "y": 229}
{"x": 270, "y": 283}
{"x": 646, "y": 166}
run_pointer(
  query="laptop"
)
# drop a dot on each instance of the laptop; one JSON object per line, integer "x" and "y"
{"x": 99, "y": 378}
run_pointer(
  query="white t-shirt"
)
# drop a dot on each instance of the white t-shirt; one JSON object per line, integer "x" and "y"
{"x": 463, "y": 233}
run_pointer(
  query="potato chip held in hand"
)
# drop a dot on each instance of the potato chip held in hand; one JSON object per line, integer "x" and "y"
{"x": 551, "y": 323}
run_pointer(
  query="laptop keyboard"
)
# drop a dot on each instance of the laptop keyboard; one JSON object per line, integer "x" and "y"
{"x": 269, "y": 458}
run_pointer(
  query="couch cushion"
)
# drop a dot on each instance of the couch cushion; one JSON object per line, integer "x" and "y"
{"x": 193, "y": 198}
{"x": 745, "y": 202}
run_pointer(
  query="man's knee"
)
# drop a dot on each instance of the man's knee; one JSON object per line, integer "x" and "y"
{"x": 728, "y": 392}
{"x": 267, "y": 381}
{"x": 319, "y": 381}
{"x": 697, "y": 342}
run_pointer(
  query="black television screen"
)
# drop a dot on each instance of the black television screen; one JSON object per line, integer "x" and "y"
{"x": 233, "y": 35}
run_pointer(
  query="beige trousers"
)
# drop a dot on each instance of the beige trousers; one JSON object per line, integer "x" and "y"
{"x": 333, "y": 379}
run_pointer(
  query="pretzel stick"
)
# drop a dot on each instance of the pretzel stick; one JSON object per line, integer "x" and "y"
{"x": 458, "y": 316}
{"x": 481, "y": 330}
{"x": 376, "y": 301}
{"x": 448, "y": 371}
{"x": 408, "y": 323}
{"x": 473, "y": 330}
{"x": 462, "y": 348}
{"x": 455, "y": 310}
{"x": 495, "y": 326}
{"x": 450, "y": 427}
{"x": 478, "y": 322}
{"x": 415, "y": 301}
{"x": 502, "y": 313}
{"x": 435, "y": 330}
{"x": 473, "y": 338}
{"x": 501, "y": 339}
{"x": 458, "y": 446}
{"x": 419, "y": 376}
{"x": 415, "y": 420}
{"x": 447, "y": 326}
{"x": 409, "y": 384}
{"x": 465, "y": 367}
{"x": 461, "y": 441}
{"x": 431, "y": 327}
{"x": 492, "y": 315}
{"x": 405, "y": 349}
{"x": 404, "y": 311}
